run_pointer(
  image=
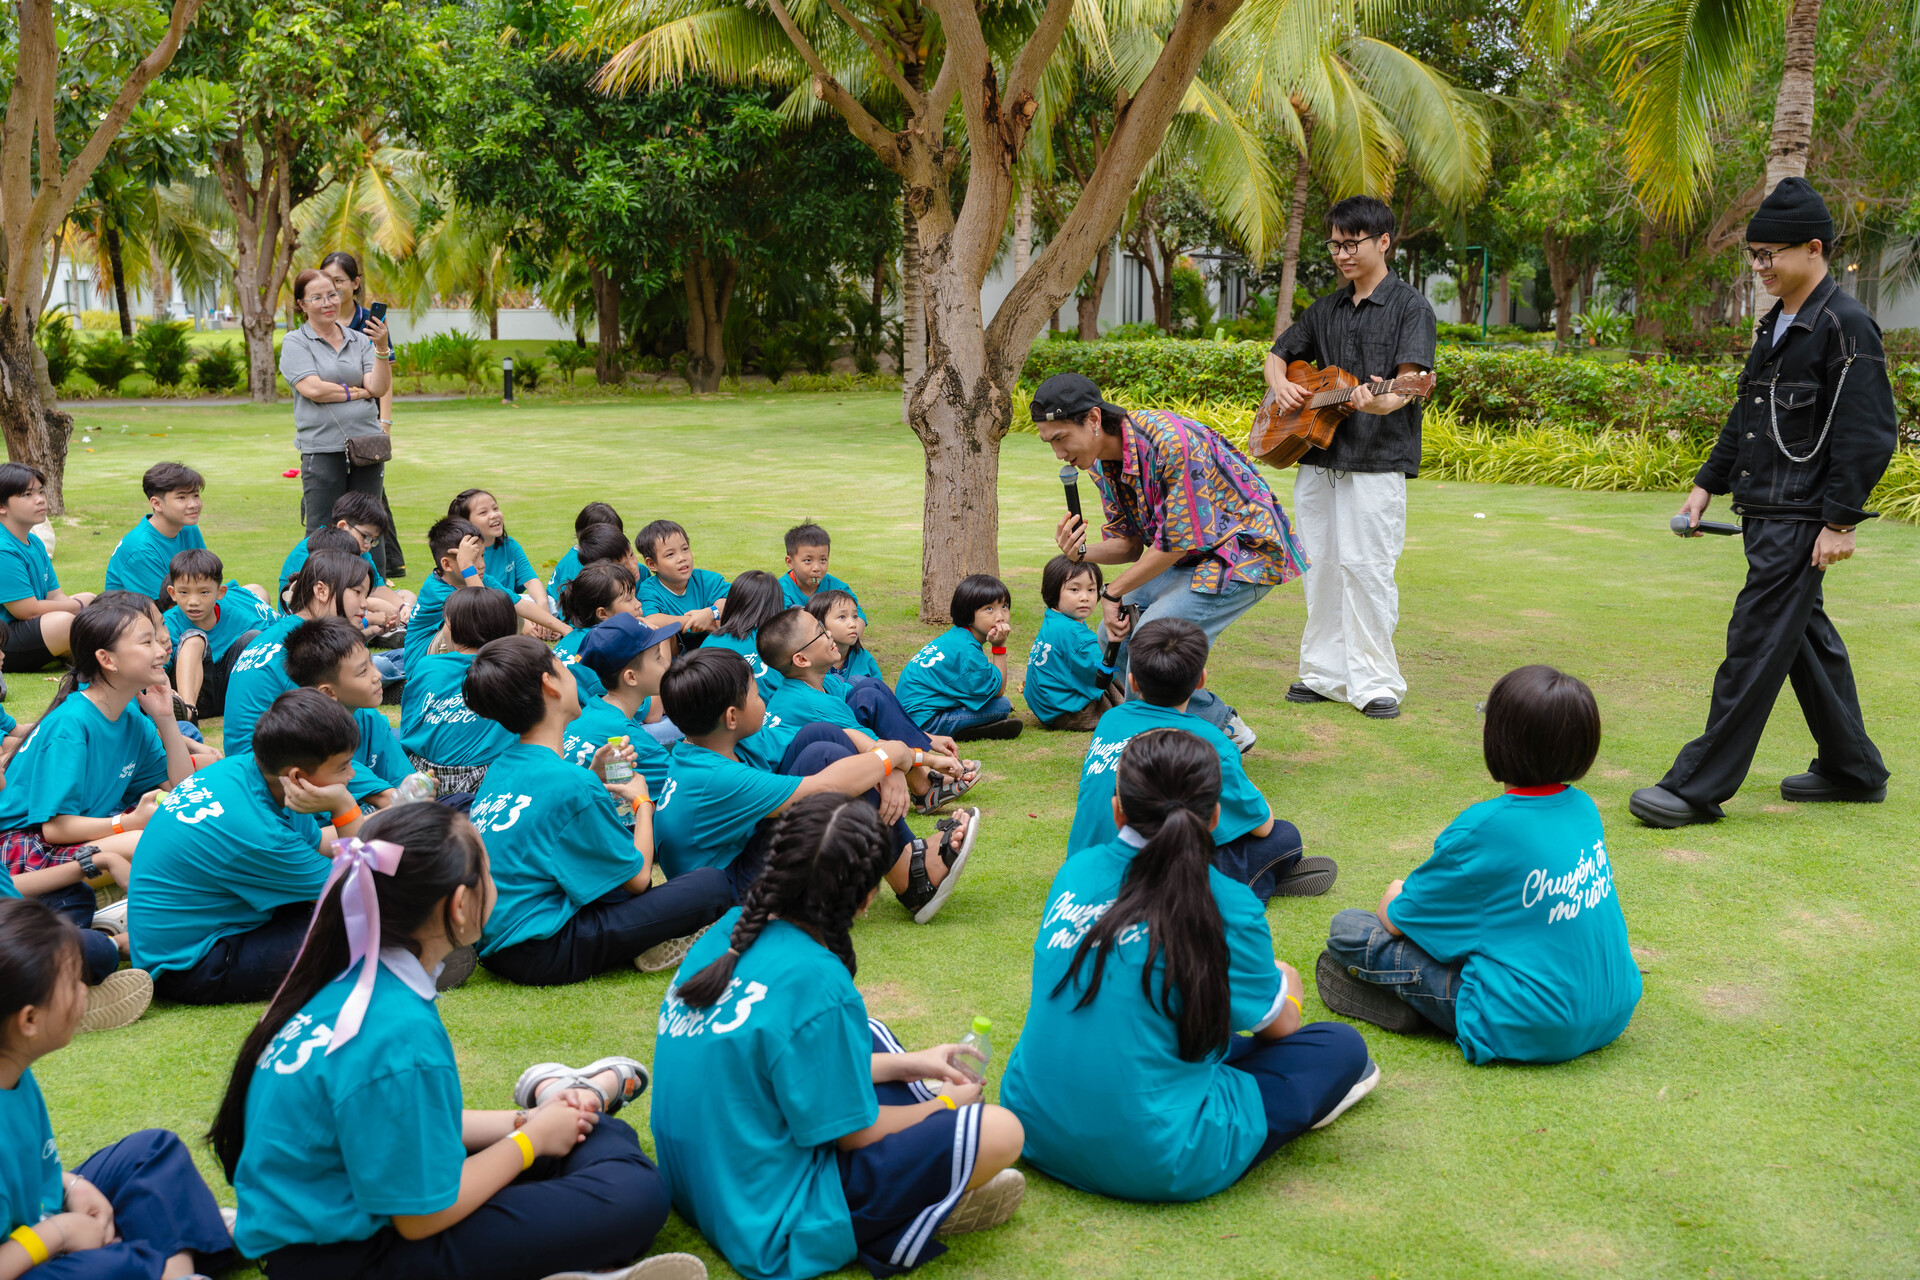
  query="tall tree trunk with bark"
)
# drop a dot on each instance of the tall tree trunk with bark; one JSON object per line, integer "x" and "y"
{"x": 1560, "y": 268}
{"x": 1793, "y": 108}
{"x": 1649, "y": 329}
{"x": 1096, "y": 290}
{"x": 606, "y": 313}
{"x": 709, "y": 287}
{"x": 264, "y": 239}
{"x": 117, "y": 268}
{"x": 1296, "y": 223}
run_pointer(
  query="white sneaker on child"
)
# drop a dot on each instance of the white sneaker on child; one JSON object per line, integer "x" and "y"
{"x": 663, "y": 1266}
{"x": 1361, "y": 1089}
{"x": 1241, "y": 732}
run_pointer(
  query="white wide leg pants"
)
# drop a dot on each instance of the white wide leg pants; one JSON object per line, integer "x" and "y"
{"x": 1353, "y": 526}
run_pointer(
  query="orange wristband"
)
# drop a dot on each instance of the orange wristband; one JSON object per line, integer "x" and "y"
{"x": 342, "y": 818}
{"x": 885, "y": 759}
{"x": 119, "y": 826}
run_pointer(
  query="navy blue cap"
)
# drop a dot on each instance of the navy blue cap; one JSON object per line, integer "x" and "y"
{"x": 612, "y": 644}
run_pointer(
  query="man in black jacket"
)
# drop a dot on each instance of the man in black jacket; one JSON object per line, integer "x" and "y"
{"x": 1811, "y": 431}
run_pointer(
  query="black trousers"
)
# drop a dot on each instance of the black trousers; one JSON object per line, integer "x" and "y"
{"x": 1778, "y": 631}
{"x": 609, "y": 932}
{"x": 325, "y": 476}
{"x": 242, "y": 967}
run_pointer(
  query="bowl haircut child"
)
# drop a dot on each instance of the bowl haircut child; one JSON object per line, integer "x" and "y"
{"x": 474, "y": 618}
{"x": 603, "y": 542}
{"x": 601, "y": 585}
{"x": 975, "y": 592}
{"x": 1542, "y": 728}
{"x": 597, "y": 513}
{"x": 752, "y": 601}
{"x": 1059, "y": 572}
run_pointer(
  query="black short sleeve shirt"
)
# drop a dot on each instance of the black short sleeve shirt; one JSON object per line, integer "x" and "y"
{"x": 1391, "y": 326}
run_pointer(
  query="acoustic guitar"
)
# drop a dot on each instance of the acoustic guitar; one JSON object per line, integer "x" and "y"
{"x": 1281, "y": 439}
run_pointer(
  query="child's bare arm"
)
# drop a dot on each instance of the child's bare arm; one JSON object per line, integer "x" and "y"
{"x": 1386, "y": 900}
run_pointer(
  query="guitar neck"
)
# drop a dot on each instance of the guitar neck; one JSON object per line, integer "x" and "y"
{"x": 1342, "y": 397}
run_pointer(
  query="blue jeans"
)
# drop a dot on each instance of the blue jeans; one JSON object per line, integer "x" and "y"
{"x": 610, "y": 932}
{"x": 954, "y": 719}
{"x": 100, "y": 955}
{"x": 161, "y": 1207}
{"x": 241, "y": 967}
{"x": 664, "y": 731}
{"x": 1171, "y": 595}
{"x": 1301, "y": 1077}
{"x": 1259, "y": 861}
{"x": 1359, "y": 944}
{"x": 391, "y": 664}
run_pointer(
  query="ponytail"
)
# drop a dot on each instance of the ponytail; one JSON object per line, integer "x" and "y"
{"x": 100, "y": 625}
{"x": 1169, "y": 787}
{"x": 828, "y": 853}
{"x": 597, "y": 587}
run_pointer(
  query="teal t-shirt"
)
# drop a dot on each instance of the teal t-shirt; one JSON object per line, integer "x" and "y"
{"x": 430, "y": 612}
{"x": 380, "y": 762}
{"x": 789, "y": 1050}
{"x": 1062, "y": 666}
{"x": 435, "y": 722}
{"x": 297, "y": 560}
{"x": 337, "y": 1144}
{"x": 1108, "y": 1104}
{"x": 704, "y": 586}
{"x": 79, "y": 762}
{"x": 31, "y": 1187}
{"x": 234, "y": 614}
{"x": 797, "y": 599}
{"x": 1242, "y": 807}
{"x": 555, "y": 841}
{"x": 710, "y": 806}
{"x": 860, "y": 665}
{"x": 600, "y": 720}
{"x": 952, "y": 671}
{"x": 143, "y": 556}
{"x": 568, "y": 647}
{"x": 765, "y": 676}
{"x": 26, "y": 570}
{"x": 1521, "y": 888}
{"x": 506, "y": 561}
{"x": 259, "y": 676}
{"x": 218, "y": 858}
{"x": 799, "y": 703}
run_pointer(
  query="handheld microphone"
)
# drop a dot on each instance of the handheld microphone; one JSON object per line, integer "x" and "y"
{"x": 1070, "y": 480}
{"x": 1130, "y": 612}
{"x": 1681, "y": 529}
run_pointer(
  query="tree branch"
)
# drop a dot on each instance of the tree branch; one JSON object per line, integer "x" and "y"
{"x": 881, "y": 51}
{"x": 1038, "y": 51}
{"x": 830, "y": 91}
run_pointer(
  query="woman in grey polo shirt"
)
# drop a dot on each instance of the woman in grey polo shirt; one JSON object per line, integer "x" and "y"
{"x": 338, "y": 376}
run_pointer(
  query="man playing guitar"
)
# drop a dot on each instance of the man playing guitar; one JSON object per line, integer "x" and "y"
{"x": 1350, "y": 499}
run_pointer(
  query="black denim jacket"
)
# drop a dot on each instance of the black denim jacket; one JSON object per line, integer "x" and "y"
{"x": 1800, "y": 444}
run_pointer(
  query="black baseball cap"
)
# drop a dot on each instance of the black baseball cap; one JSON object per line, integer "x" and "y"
{"x": 1068, "y": 395}
{"x": 618, "y": 640}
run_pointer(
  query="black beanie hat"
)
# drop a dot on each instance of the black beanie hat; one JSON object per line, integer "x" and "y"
{"x": 1792, "y": 214}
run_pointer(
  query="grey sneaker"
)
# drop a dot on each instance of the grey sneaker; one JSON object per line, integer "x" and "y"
{"x": 986, "y": 1206}
{"x": 1241, "y": 732}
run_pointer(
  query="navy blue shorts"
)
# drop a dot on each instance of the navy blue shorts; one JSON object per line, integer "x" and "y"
{"x": 901, "y": 1188}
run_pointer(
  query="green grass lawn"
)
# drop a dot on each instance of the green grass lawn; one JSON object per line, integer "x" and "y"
{"x": 1759, "y": 1116}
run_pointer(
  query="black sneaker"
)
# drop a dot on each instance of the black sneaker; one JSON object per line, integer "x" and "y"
{"x": 459, "y": 966}
{"x": 995, "y": 730}
{"x": 1300, "y": 691}
{"x": 1307, "y": 878}
{"x": 1381, "y": 709}
{"x": 1659, "y": 807}
{"x": 1350, "y": 997}
{"x": 1811, "y": 788}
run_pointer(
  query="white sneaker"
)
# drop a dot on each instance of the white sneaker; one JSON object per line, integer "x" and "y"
{"x": 1242, "y": 733}
{"x": 662, "y": 1266}
{"x": 987, "y": 1205}
{"x": 1362, "y": 1087}
{"x": 111, "y": 920}
{"x": 118, "y": 1001}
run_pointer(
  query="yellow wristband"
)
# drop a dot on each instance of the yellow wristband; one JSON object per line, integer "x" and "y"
{"x": 951, "y": 1104}
{"x": 1297, "y": 1005}
{"x": 27, "y": 1238}
{"x": 525, "y": 1144}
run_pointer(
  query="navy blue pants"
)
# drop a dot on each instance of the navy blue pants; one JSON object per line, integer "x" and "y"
{"x": 594, "y": 1209}
{"x": 1361, "y": 945}
{"x": 878, "y": 710}
{"x": 816, "y": 746}
{"x": 160, "y": 1208}
{"x": 1259, "y": 861}
{"x": 608, "y": 933}
{"x": 99, "y": 954}
{"x": 954, "y": 719}
{"x": 242, "y": 967}
{"x": 1301, "y": 1078}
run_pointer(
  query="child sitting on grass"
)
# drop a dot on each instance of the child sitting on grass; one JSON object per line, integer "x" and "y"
{"x": 568, "y": 566}
{"x": 1250, "y": 845}
{"x": 950, "y": 687}
{"x": 234, "y": 857}
{"x": 135, "y": 1208}
{"x": 211, "y": 622}
{"x": 505, "y": 560}
{"x": 329, "y": 655}
{"x": 196, "y": 741}
{"x": 795, "y": 1136}
{"x": 752, "y": 601}
{"x": 576, "y": 886}
{"x": 37, "y": 614}
{"x": 799, "y": 647}
{"x": 600, "y": 591}
{"x": 808, "y": 550}
{"x": 627, "y": 658}
{"x": 1128, "y": 1075}
{"x": 361, "y": 517}
{"x": 141, "y": 558}
{"x": 332, "y": 584}
{"x": 342, "y": 1129}
{"x": 441, "y": 734}
{"x": 717, "y": 808}
{"x": 1510, "y": 938}
{"x": 1065, "y": 665}
{"x": 841, "y": 615}
{"x": 676, "y": 591}
{"x": 458, "y": 554}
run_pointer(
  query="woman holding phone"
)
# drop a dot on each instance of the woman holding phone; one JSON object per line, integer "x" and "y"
{"x": 338, "y": 376}
{"x": 344, "y": 270}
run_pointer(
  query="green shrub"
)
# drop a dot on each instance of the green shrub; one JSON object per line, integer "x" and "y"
{"x": 108, "y": 359}
{"x": 1901, "y": 344}
{"x": 57, "y": 342}
{"x": 1447, "y": 331}
{"x": 1138, "y": 331}
{"x": 1157, "y": 368}
{"x": 99, "y": 320}
{"x": 222, "y": 368}
{"x": 164, "y": 350}
{"x": 570, "y": 358}
{"x": 840, "y": 382}
{"x": 527, "y": 372}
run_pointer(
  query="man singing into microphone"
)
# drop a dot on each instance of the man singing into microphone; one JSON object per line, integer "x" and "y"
{"x": 1811, "y": 431}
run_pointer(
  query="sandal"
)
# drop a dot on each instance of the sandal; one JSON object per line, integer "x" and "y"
{"x": 924, "y": 898}
{"x": 944, "y": 790}
{"x": 633, "y": 1080}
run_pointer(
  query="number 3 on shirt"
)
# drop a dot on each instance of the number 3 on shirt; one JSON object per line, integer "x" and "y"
{"x": 741, "y": 1008}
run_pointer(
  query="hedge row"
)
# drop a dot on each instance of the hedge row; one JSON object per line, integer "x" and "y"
{"x": 1496, "y": 388}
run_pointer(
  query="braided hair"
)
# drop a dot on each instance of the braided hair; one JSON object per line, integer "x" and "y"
{"x": 827, "y": 855}
{"x": 1169, "y": 788}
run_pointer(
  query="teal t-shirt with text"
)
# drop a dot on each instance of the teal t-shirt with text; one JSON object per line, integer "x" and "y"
{"x": 31, "y": 1186}
{"x": 951, "y": 671}
{"x": 506, "y": 561}
{"x": 26, "y": 571}
{"x": 82, "y": 764}
{"x": 704, "y": 586}
{"x": 234, "y": 615}
{"x": 259, "y": 676}
{"x": 1062, "y": 666}
{"x": 710, "y": 806}
{"x": 143, "y": 555}
{"x": 764, "y": 676}
{"x": 600, "y": 720}
{"x": 1242, "y": 807}
{"x": 795, "y": 598}
{"x": 436, "y": 723}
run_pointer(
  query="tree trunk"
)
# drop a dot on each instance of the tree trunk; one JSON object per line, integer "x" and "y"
{"x": 1023, "y": 233}
{"x": 1290, "y": 253}
{"x": 493, "y": 324}
{"x": 1089, "y": 304}
{"x": 1649, "y": 330}
{"x": 606, "y": 312}
{"x": 1160, "y": 290}
{"x": 119, "y": 269}
{"x": 1793, "y": 108}
{"x": 709, "y": 291}
{"x": 264, "y": 241}
{"x": 36, "y": 430}
{"x": 1560, "y": 269}
{"x": 162, "y": 283}
{"x": 913, "y": 312}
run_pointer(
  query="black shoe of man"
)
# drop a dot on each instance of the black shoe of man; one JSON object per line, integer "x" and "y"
{"x": 1659, "y": 807}
{"x": 1301, "y": 691}
{"x": 1811, "y": 788}
{"x": 1381, "y": 709}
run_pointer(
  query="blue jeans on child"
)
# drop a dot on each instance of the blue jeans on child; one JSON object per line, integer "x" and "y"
{"x": 1360, "y": 945}
{"x": 609, "y": 932}
{"x": 160, "y": 1207}
{"x": 99, "y": 954}
{"x": 1301, "y": 1077}
{"x": 596, "y": 1208}
{"x": 241, "y": 967}
{"x": 1171, "y": 595}
{"x": 954, "y": 719}
{"x": 1259, "y": 861}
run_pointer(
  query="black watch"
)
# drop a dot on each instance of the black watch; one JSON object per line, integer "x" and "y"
{"x": 88, "y": 871}
{"x": 1109, "y": 598}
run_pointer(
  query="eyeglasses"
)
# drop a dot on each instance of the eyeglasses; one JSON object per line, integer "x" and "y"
{"x": 1763, "y": 258}
{"x": 322, "y": 298}
{"x": 1335, "y": 248}
{"x": 816, "y": 640}
{"x": 368, "y": 541}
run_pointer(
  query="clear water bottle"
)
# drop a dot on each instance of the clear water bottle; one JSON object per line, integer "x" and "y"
{"x": 416, "y": 787}
{"x": 980, "y": 1041}
{"x": 618, "y": 770}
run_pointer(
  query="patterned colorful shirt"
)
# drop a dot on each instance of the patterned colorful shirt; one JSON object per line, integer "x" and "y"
{"x": 1180, "y": 487}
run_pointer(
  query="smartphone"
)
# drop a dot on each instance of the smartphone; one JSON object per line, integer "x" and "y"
{"x": 378, "y": 311}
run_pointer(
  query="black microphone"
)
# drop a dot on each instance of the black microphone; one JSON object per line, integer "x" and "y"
{"x": 1112, "y": 652}
{"x": 1070, "y": 477}
{"x": 1681, "y": 527}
